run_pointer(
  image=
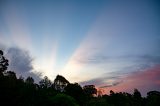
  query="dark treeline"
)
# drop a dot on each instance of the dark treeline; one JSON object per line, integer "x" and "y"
{"x": 25, "y": 92}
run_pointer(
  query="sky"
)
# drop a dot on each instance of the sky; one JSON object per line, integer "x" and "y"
{"x": 109, "y": 43}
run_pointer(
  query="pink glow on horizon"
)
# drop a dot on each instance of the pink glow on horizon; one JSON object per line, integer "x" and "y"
{"x": 144, "y": 81}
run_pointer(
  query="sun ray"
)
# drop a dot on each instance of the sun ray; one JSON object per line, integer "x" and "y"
{"x": 95, "y": 42}
{"x": 18, "y": 28}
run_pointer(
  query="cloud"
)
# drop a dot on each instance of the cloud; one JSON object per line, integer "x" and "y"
{"x": 145, "y": 81}
{"x": 93, "y": 59}
{"x": 114, "y": 84}
{"x": 98, "y": 58}
{"x": 116, "y": 64}
{"x": 122, "y": 67}
{"x": 20, "y": 62}
{"x": 2, "y": 47}
{"x": 108, "y": 80}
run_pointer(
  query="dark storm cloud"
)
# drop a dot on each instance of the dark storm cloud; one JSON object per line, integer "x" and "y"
{"x": 20, "y": 61}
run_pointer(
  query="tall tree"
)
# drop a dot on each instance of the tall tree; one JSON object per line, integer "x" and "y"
{"x": 137, "y": 98}
{"x": 76, "y": 91}
{"x": 29, "y": 80}
{"x": 10, "y": 74}
{"x": 60, "y": 83}
{"x": 90, "y": 90}
{"x": 153, "y": 98}
{"x": 45, "y": 83}
{"x": 3, "y": 62}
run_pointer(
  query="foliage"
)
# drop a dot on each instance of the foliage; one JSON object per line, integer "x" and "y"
{"x": 60, "y": 83}
{"x": 153, "y": 98}
{"x": 29, "y": 80}
{"x": 90, "y": 90}
{"x": 45, "y": 83}
{"x": 3, "y": 62}
{"x": 63, "y": 100}
{"x": 76, "y": 91}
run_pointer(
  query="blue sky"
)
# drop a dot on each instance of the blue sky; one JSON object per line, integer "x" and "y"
{"x": 84, "y": 40}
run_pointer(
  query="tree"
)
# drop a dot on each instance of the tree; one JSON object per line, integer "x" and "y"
{"x": 98, "y": 102}
{"x": 60, "y": 83}
{"x": 112, "y": 92}
{"x": 153, "y": 98}
{"x": 29, "y": 80}
{"x": 11, "y": 74}
{"x": 90, "y": 90}
{"x": 3, "y": 62}
{"x": 63, "y": 100}
{"x": 76, "y": 91}
{"x": 137, "y": 98}
{"x": 45, "y": 83}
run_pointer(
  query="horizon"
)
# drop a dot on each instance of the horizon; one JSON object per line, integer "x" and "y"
{"x": 111, "y": 44}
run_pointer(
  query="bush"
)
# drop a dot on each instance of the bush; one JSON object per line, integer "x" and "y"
{"x": 63, "y": 100}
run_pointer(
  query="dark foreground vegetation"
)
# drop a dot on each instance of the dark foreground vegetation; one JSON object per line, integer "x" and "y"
{"x": 24, "y": 92}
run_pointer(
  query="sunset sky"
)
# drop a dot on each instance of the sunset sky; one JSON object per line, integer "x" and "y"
{"x": 113, "y": 44}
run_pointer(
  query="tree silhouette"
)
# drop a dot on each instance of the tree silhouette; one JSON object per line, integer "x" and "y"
{"x": 45, "y": 83}
{"x": 76, "y": 91}
{"x": 90, "y": 90}
{"x": 137, "y": 97}
{"x": 3, "y": 62}
{"x": 29, "y": 80}
{"x": 63, "y": 100}
{"x": 153, "y": 98}
{"x": 10, "y": 74}
{"x": 60, "y": 83}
